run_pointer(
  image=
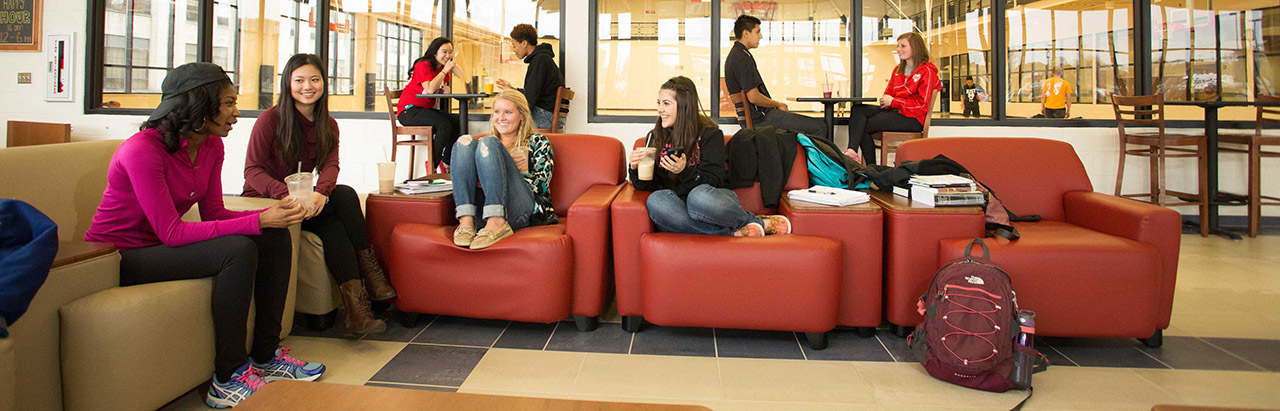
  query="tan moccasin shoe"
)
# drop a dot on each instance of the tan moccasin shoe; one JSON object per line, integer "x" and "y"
{"x": 486, "y": 237}
{"x": 463, "y": 236}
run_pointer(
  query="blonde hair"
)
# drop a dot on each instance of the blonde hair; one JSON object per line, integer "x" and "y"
{"x": 919, "y": 50}
{"x": 526, "y": 117}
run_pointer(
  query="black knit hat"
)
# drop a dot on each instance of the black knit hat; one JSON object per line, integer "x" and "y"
{"x": 183, "y": 79}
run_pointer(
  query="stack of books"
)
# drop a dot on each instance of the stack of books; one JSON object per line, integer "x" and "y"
{"x": 943, "y": 190}
{"x": 829, "y": 196}
{"x": 413, "y": 187}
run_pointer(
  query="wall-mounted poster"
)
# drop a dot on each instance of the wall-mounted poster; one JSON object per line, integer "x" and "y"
{"x": 20, "y": 25}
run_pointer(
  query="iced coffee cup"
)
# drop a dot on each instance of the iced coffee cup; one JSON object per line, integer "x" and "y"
{"x": 386, "y": 177}
{"x": 645, "y": 170}
{"x": 300, "y": 188}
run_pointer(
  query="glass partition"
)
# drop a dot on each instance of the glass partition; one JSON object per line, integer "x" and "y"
{"x": 641, "y": 44}
{"x": 483, "y": 48}
{"x": 143, "y": 40}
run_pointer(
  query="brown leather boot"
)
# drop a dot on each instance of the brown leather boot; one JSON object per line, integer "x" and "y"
{"x": 358, "y": 319}
{"x": 375, "y": 279}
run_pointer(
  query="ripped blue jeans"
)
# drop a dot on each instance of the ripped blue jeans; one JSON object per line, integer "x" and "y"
{"x": 484, "y": 173}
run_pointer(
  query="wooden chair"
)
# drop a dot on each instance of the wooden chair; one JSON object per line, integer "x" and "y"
{"x": 561, "y": 113}
{"x": 889, "y": 140}
{"x": 1157, "y": 146}
{"x": 397, "y": 130}
{"x": 1253, "y": 146}
{"x": 742, "y": 108}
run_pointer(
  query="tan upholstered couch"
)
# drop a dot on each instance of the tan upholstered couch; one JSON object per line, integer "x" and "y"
{"x": 85, "y": 342}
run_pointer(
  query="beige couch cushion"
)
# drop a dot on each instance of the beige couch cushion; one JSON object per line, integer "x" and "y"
{"x": 65, "y": 181}
{"x": 154, "y": 340}
{"x": 317, "y": 292}
{"x": 36, "y": 334}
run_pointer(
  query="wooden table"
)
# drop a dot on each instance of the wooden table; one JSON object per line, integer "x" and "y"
{"x": 302, "y": 395}
{"x": 829, "y": 108}
{"x": 1211, "y": 134}
{"x": 462, "y": 105}
{"x": 896, "y": 203}
{"x": 71, "y": 252}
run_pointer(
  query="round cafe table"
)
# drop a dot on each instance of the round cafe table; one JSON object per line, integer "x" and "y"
{"x": 462, "y": 105}
{"x": 829, "y": 108}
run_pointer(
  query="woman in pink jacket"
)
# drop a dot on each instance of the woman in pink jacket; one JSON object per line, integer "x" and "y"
{"x": 905, "y": 103}
{"x": 154, "y": 178}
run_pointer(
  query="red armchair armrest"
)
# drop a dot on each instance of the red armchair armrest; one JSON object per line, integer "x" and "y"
{"x": 630, "y": 221}
{"x": 588, "y": 225}
{"x": 1142, "y": 222}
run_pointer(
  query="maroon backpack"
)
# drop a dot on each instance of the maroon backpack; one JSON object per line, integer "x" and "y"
{"x": 970, "y": 325}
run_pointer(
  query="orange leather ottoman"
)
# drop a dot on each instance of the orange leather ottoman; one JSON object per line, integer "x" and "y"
{"x": 522, "y": 278}
{"x": 747, "y": 286}
{"x": 1055, "y": 270}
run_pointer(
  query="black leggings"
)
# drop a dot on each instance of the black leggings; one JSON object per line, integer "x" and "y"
{"x": 340, "y": 227}
{"x": 445, "y": 126}
{"x": 242, "y": 267}
{"x": 867, "y": 120}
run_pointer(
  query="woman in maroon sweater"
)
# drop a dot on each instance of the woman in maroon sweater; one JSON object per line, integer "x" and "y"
{"x": 299, "y": 130}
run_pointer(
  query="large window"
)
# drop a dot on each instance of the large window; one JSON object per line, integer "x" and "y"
{"x": 142, "y": 40}
{"x": 1214, "y": 50}
{"x": 1091, "y": 43}
{"x": 481, "y": 44}
{"x": 641, "y": 44}
{"x": 398, "y": 46}
{"x": 805, "y": 46}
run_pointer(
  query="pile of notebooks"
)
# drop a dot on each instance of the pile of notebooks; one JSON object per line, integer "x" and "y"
{"x": 829, "y": 196}
{"x": 412, "y": 187}
{"x": 942, "y": 190}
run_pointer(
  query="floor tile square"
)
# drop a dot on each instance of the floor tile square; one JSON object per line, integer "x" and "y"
{"x": 753, "y": 379}
{"x": 688, "y": 341}
{"x": 1193, "y": 353}
{"x": 411, "y": 387}
{"x": 1264, "y": 353}
{"x": 526, "y": 336}
{"x": 472, "y": 332}
{"x": 758, "y": 344}
{"x": 346, "y": 361}
{"x": 431, "y": 365}
{"x": 398, "y": 332}
{"x": 1055, "y": 358}
{"x": 1235, "y": 389}
{"x": 845, "y": 345}
{"x": 1103, "y": 352}
{"x": 526, "y": 371}
{"x": 899, "y": 349}
{"x": 651, "y": 376}
{"x": 606, "y": 339}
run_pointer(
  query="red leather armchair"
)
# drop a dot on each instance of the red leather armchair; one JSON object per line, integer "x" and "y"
{"x": 826, "y": 273}
{"x": 541, "y": 274}
{"x": 1096, "y": 266}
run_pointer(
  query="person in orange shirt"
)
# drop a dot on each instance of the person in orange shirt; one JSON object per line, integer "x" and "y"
{"x": 1057, "y": 96}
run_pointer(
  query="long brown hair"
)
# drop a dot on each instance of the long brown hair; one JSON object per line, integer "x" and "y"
{"x": 289, "y": 136}
{"x": 919, "y": 50}
{"x": 690, "y": 122}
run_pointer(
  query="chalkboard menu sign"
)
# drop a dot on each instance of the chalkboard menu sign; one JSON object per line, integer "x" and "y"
{"x": 20, "y": 25}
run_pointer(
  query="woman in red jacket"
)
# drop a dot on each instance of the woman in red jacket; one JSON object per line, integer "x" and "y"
{"x": 298, "y": 132}
{"x": 432, "y": 73}
{"x": 905, "y": 103}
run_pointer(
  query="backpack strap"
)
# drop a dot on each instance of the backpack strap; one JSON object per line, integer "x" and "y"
{"x": 986, "y": 253}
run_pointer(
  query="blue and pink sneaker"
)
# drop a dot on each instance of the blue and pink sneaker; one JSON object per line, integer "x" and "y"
{"x": 244, "y": 382}
{"x": 286, "y": 367}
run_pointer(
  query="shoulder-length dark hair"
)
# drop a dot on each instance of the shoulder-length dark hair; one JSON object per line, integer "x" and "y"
{"x": 194, "y": 109}
{"x": 430, "y": 55}
{"x": 289, "y": 137}
{"x": 690, "y": 122}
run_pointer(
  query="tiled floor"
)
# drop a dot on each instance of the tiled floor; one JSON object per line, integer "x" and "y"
{"x": 1223, "y": 348}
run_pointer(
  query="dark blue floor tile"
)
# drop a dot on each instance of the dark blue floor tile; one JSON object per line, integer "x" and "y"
{"x": 1194, "y": 354}
{"x": 1055, "y": 358}
{"x": 411, "y": 387}
{"x": 1264, "y": 353}
{"x": 397, "y": 332}
{"x": 846, "y": 345}
{"x": 606, "y": 339}
{"x": 686, "y": 341}
{"x": 462, "y": 331}
{"x": 899, "y": 349}
{"x": 527, "y": 336}
{"x": 1103, "y": 352}
{"x": 430, "y": 364}
{"x": 758, "y": 344}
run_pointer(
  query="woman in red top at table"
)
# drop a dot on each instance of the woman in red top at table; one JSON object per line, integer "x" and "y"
{"x": 154, "y": 178}
{"x": 298, "y": 132}
{"x": 431, "y": 73}
{"x": 905, "y": 103}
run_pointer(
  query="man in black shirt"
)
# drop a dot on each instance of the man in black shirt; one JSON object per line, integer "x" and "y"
{"x": 972, "y": 95}
{"x": 542, "y": 78}
{"x": 741, "y": 73}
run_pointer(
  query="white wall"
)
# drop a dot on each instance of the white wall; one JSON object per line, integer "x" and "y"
{"x": 364, "y": 142}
